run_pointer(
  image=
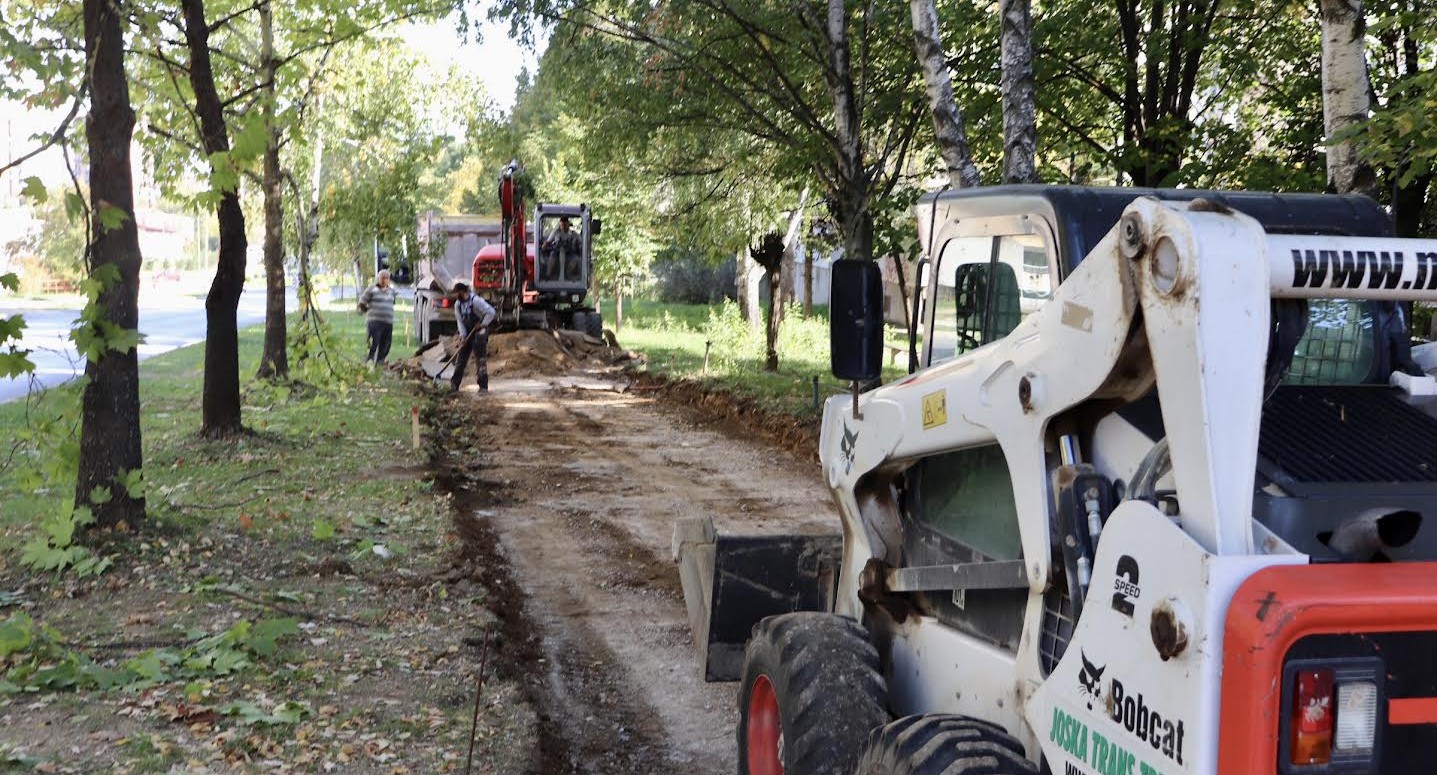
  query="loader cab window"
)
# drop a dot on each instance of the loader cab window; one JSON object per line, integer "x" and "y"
{"x": 958, "y": 507}
{"x": 1338, "y": 347}
{"x": 985, "y": 285}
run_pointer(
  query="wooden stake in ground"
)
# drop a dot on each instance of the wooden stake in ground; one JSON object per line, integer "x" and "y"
{"x": 478, "y": 693}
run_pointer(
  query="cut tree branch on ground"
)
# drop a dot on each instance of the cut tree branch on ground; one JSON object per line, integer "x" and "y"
{"x": 298, "y": 613}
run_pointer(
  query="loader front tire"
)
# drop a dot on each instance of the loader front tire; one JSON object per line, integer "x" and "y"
{"x": 942, "y": 744}
{"x": 811, "y": 693}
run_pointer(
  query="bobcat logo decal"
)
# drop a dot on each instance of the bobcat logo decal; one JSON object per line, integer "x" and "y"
{"x": 849, "y": 446}
{"x": 1091, "y": 679}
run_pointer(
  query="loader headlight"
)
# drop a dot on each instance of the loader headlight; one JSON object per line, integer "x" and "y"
{"x": 1356, "y": 717}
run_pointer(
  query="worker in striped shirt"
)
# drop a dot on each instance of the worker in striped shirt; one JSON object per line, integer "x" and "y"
{"x": 377, "y": 304}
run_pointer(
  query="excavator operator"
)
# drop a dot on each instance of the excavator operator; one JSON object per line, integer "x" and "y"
{"x": 562, "y": 250}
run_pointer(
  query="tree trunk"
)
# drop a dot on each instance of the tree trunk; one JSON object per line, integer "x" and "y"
{"x": 947, "y": 118}
{"x": 790, "y": 243}
{"x": 110, "y": 405}
{"x": 900, "y": 267}
{"x": 221, "y": 403}
{"x": 311, "y": 226}
{"x": 749, "y": 278}
{"x": 1019, "y": 122}
{"x": 807, "y": 281}
{"x": 770, "y": 361}
{"x": 1409, "y": 204}
{"x": 273, "y": 362}
{"x": 855, "y": 222}
{"x": 851, "y": 193}
{"x": 1345, "y": 94}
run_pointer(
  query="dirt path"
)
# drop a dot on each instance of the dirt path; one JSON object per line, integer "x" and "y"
{"x": 581, "y": 484}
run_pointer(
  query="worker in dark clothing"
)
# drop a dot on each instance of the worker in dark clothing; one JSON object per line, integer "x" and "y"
{"x": 563, "y": 248}
{"x": 474, "y": 316}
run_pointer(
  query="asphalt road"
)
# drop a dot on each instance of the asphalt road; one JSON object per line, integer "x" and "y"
{"x": 167, "y": 321}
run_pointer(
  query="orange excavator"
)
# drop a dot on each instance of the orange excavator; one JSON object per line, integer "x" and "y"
{"x": 543, "y": 284}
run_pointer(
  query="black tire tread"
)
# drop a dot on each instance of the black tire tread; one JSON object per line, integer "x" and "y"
{"x": 943, "y": 744}
{"x": 830, "y": 692}
{"x": 594, "y": 324}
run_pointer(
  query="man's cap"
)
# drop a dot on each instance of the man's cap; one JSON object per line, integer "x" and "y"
{"x": 460, "y": 287}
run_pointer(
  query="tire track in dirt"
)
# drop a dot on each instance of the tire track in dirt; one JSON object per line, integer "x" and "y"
{"x": 585, "y": 486}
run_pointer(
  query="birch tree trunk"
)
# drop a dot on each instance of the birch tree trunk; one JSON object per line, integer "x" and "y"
{"x": 309, "y": 228}
{"x": 1019, "y": 117}
{"x": 110, "y": 405}
{"x": 786, "y": 267}
{"x": 1345, "y": 93}
{"x": 749, "y": 277}
{"x": 947, "y": 118}
{"x": 851, "y": 211}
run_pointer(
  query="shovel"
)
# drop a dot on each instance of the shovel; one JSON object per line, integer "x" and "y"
{"x": 450, "y": 359}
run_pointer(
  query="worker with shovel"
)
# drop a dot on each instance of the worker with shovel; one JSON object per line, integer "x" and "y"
{"x": 474, "y": 315}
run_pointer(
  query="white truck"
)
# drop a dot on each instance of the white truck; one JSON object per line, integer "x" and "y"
{"x": 447, "y": 247}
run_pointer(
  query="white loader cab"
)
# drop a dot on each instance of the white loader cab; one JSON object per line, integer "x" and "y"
{"x": 1153, "y": 499}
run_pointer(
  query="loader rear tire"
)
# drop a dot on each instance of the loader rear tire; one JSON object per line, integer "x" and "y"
{"x": 811, "y": 693}
{"x": 942, "y": 744}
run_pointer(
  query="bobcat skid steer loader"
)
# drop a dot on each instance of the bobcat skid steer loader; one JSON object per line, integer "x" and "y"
{"x": 1154, "y": 499}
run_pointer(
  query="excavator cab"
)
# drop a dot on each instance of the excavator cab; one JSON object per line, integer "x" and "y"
{"x": 563, "y": 260}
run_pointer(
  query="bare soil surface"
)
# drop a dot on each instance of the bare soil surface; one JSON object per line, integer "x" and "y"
{"x": 573, "y": 488}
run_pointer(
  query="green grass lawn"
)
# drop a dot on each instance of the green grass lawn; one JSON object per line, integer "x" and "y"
{"x": 674, "y": 336}
{"x": 362, "y": 421}
{"x": 319, "y": 527}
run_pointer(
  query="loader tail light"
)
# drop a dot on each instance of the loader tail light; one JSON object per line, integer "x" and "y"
{"x": 1335, "y": 715}
{"x": 1313, "y": 713}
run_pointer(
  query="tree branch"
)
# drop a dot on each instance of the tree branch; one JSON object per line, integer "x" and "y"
{"x": 56, "y": 136}
{"x": 229, "y": 17}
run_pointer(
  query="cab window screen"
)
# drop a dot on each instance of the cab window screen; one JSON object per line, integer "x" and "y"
{"x": 986, "y": 286}
{"x": 1337, "y": 348}
{"x": 967, "y": 496}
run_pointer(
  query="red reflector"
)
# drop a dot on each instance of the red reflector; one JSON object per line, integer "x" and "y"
{"x": 1420, "y": 710}
{"x": 1312, "y": 717}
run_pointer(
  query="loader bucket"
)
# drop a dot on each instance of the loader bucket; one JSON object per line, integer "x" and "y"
{"x": 731, "y": 582}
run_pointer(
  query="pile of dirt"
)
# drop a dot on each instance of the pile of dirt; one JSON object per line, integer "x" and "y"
{"x": 532, "y": 353}
{"x": 550, "y": 354}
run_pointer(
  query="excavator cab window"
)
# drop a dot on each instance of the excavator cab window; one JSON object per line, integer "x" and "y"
{"x": 985, "y": 286}
{"x": 560, "y": 256}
